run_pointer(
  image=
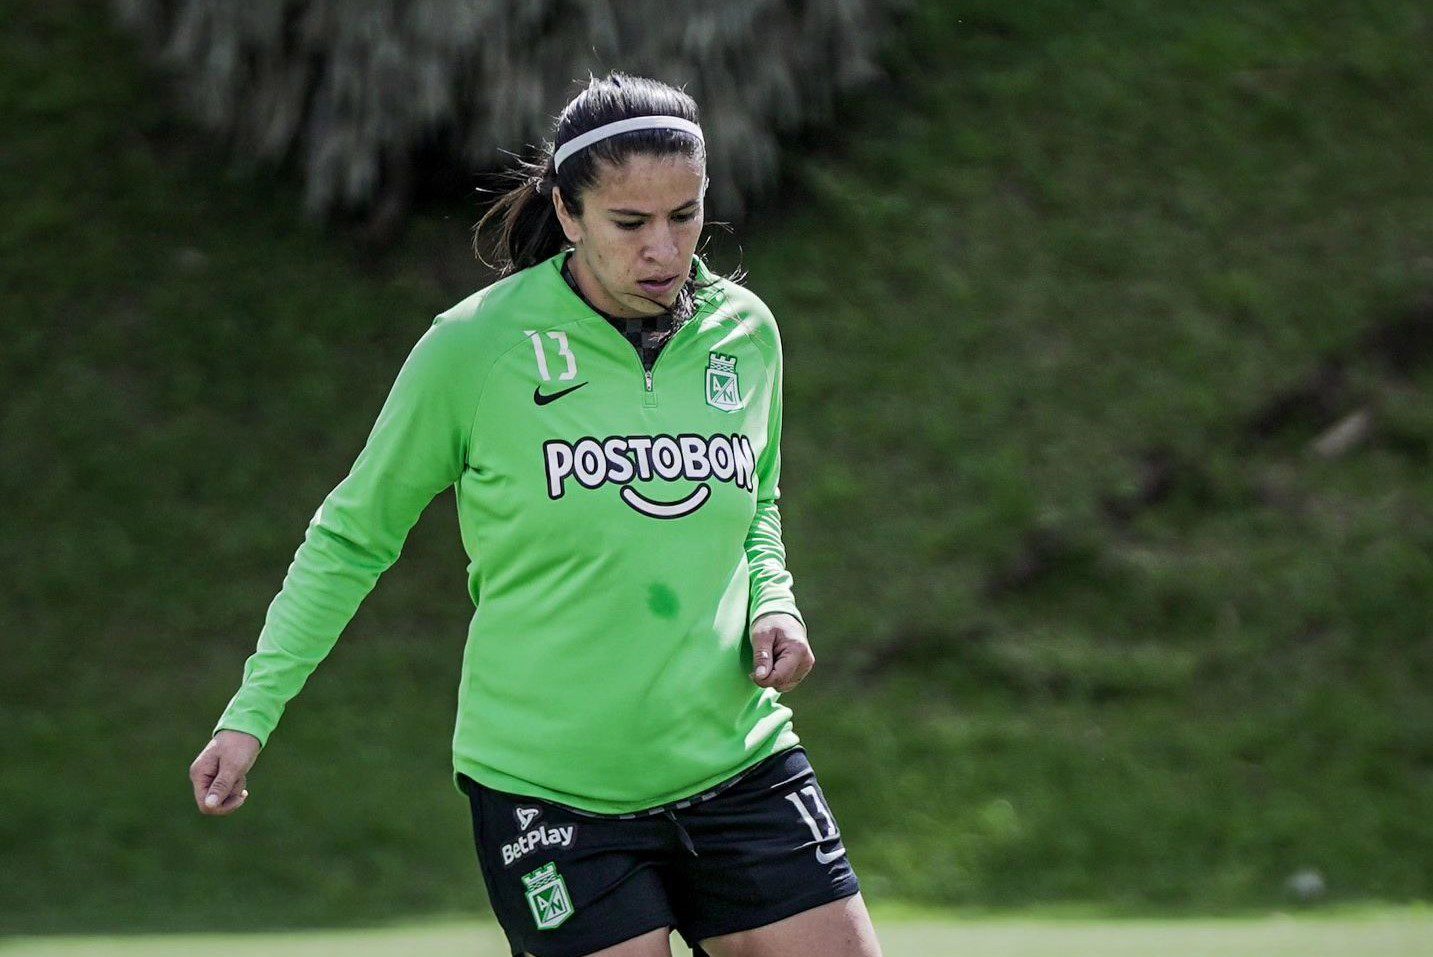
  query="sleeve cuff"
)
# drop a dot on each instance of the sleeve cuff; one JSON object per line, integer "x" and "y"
{"x": 771, "y": 609}
{"x": 233, "y": 724}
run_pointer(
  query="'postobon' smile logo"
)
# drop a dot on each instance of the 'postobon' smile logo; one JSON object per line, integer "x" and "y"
{"x": 621, "y": 459}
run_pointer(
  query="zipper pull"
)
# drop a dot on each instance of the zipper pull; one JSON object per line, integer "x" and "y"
{"x": 649, "y": 379}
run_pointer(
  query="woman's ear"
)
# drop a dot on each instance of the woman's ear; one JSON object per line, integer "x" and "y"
{"x": 570, "y": 226}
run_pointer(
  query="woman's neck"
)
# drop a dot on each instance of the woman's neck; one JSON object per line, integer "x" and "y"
{"x": 588, "y": 288}
{"x": 680, "y": 311}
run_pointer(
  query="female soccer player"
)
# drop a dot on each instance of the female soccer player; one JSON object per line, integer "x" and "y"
{"x": 610, "y": 414}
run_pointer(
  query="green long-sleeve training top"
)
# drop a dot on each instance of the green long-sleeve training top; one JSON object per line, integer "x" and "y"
{"x": 622, "y": 531}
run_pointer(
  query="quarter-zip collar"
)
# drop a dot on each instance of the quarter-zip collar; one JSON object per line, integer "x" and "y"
{"x": 647, "y": 334}
{"x": 568, "y": 299}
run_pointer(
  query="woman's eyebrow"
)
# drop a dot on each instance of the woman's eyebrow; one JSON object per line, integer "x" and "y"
{"x": 638, "y": 212}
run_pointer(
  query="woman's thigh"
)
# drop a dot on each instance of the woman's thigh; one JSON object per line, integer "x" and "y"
{"x": 656, "y": 943}
{"x": 765, "y": 850}
{"x": 840, "y": 928}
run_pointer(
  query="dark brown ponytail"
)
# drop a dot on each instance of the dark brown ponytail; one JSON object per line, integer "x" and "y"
{"x": 528, "y": 227}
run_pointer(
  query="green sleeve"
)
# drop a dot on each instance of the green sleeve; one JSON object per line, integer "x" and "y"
{"x": 417, "y": 448}
{"x": 765, "y": 552}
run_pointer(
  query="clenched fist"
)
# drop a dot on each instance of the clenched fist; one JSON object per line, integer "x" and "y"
{"x": 781, "y": 656}
{"x": 218, "y": 773}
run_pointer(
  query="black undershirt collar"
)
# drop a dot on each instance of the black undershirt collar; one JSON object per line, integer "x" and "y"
{"x": 646, "y": 333}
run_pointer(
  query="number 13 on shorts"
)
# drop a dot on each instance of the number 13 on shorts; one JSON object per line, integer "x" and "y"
{"x": 819, "y": 803}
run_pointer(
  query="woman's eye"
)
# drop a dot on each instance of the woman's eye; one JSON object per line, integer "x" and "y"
{"x": 636, "y": 225}
{"x": 685, "y": 217}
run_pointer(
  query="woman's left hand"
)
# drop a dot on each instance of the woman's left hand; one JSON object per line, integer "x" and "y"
{"x": 781, "y": 655}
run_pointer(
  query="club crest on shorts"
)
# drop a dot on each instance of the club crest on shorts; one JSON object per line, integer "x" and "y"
{"x": 525, "y": 815}
{"x": 547, "y": 896}
{"x": 723, "y": 388}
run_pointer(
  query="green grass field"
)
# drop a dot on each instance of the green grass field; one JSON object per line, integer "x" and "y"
{"x": 1065, "y": 306}
{"x": 1403, "y": 932}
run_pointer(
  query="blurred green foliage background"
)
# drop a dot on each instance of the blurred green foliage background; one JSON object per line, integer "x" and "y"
{"x": 1109, "y": 332}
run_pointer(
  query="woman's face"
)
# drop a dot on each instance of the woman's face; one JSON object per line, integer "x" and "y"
{"x": 639, "y": 226}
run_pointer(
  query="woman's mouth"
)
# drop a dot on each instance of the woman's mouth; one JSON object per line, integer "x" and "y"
{"x": 658, "y": 287}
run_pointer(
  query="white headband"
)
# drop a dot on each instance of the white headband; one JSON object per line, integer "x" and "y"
{"x": 624, "y": 126}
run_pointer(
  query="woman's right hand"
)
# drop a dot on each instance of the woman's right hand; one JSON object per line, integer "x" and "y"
{"x": 218, "y": 773}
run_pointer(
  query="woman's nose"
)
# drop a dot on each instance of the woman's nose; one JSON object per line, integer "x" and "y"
{"x": 663, "y": 246}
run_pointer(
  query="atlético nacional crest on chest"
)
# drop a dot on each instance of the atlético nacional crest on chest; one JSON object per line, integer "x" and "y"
{"x": 723, "y": 387}
{"x": 547, "y": 896}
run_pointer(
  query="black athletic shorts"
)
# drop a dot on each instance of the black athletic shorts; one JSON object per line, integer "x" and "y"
{"x": 759, "y": 846}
